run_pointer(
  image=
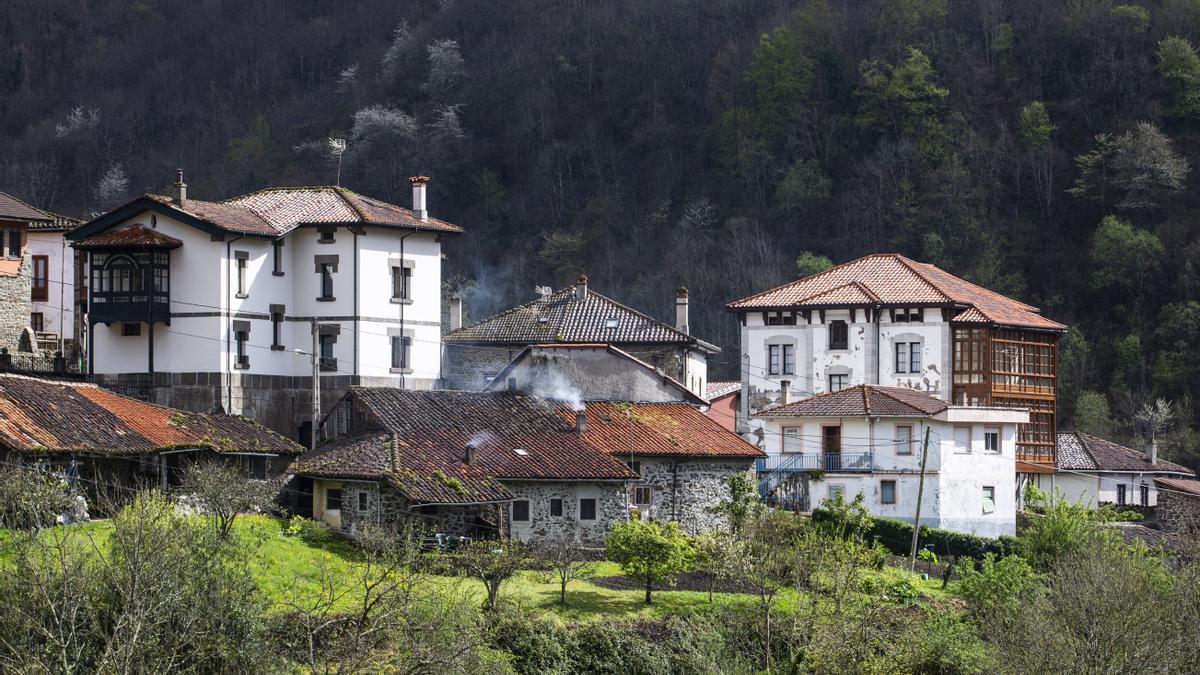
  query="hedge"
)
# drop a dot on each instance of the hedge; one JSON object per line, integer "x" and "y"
{"x": 896, "y": 535}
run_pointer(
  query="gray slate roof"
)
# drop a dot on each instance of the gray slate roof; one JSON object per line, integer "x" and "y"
{"x": 12, "y": 208}
{"x": 1083, "y": 452}
{"x": 565, "y": 318}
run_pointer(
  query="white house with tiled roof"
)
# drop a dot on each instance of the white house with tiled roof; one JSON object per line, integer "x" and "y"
{"x": 868, "y": 439}
{"x": 475, "y": 354}
{"x": 886, "y": 320}
{"x": 200, "y": 304}
{"x": 1093, "y": 471}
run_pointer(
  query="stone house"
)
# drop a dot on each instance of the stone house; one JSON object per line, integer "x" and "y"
{"x": 16, "y": 267}
{"x": 475, "y": 354}
{"x": 199, "y": 304}
{"x": 105, "y": 442}
{"x": 868, "y": 440}
{"x": 886, "y": 320}
{"x": 1178, "y": 505}
{"x": 1093, "y": 471}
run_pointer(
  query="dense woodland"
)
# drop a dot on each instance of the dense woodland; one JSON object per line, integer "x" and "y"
{"x": 1044, "y": 149}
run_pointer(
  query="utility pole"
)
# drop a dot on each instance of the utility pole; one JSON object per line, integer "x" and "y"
{"x": 316, "y": 387}
{"x": 912, "y": 562}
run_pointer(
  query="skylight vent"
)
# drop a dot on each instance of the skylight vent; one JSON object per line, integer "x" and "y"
{"x": 611, "y": 322}
{"x": 543, "y": 319}
{"x": 521, "y": 451}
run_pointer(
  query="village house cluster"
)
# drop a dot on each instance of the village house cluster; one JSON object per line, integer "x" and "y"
{"x": 304, "y": 332}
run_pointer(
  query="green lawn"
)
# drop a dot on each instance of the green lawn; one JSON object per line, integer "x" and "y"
{"x": 288, "y": 566}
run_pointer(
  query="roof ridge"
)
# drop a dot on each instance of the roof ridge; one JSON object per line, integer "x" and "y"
{"x": 885, "y": 391}
{"x": 640, "y": 314}
{"x": 911, "y": 265}
{"x": 341, "y": 194}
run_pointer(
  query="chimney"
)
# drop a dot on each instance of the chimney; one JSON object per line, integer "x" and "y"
{"x": 681, "y": 311}
{"x": 1153, "y": 452}
{"x": 785, "y": 392}
{"x": 180, "y": 196}
{"x": 580, "y": 422}
{"x": 455, "y": 313}
{"x": 469, "y": 453}
{"x": 581, "y": 287}
{"x": 418, "y": 184}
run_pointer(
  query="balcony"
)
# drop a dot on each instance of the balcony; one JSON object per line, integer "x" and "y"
{"x": 834, "y": 462}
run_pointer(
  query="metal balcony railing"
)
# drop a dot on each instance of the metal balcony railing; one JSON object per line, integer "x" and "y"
{"x": 824, "y": 461}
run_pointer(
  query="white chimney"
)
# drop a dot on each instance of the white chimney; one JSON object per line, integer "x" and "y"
{"x": 681, "y": 311}
{"x": 180, "y": 196}
{"x": 581, "y": 287}
{"x": 580, "y": 422}
{"x": 1153, "y": 452}
{"x": 419, "y": 206}
{"x": 455, "y": 313}
{"x": 785, "y": 392}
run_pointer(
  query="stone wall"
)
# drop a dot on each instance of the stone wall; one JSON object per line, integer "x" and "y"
{"x": 686, "y": 489}
{"x": 610, "y": 508}
{"x": 14, "y": 304}
{"x": 386, "y": 507}
{"x": 1178, "y": 512}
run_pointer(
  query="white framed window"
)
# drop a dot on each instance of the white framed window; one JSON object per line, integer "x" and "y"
{"x": 962, "y": 439}
{"x": 903, "y": 438}
{"x": 793, "y": 440}
{"x": 901, "y": 357}
{"x": 887, "y": 492}
{"x": 991, "y": 440}
{"x": 643, "y": 495}
{"x": 989, "y": 499}
{"x": 781, "y": 359}
{"x": 364, "y": 501}
{"x": 835, "y": 490}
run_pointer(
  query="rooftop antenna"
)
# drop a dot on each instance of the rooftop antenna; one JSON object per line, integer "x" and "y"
{"x": 337, "y": 147}
{"x": 544, "y": 291}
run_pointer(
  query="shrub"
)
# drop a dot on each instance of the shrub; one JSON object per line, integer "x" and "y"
{"x": 652, "y": 552}
{"x": 538, "y": 645}
{"x": 30, "y": 499}
{"x": 896, "y": 535}
{"x": 996, "y": 585}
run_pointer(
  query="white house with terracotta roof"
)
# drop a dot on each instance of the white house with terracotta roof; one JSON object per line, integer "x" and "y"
{"x": 200, "y": 304}
{"x": 886, "y": 320}
{"x": 36, "y": 275}
{"x": 867, "y": 439}
{"x": 1093, "y": 471}
{"x": 577, "y": 314}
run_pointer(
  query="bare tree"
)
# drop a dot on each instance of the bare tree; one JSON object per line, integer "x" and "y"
{"x": 564, "y": 561}
{"x": 223, "y": 492}
{"x": 493, "y": 563}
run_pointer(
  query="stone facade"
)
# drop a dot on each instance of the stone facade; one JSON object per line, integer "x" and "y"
{"x": 14, "y": 304}
{"x": 610, "y": 508}
{"x": 1178, "y": 512}
{"x": 686, "y": 489}
{"x": 386, "y": 507}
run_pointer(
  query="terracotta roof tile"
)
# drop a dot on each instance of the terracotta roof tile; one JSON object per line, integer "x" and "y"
{"x": 126, "y": 237}
{"x": 287, "y": 208}
{"x": 665, "y": 429}
{"x": 12, "y": 208}
{"x": 892, "y": 279}
{"x": 563, "y": 317}
{"x": 860, "y": 401}
{"x": 44, "y": 416}
{"x": 1083, "y": 452}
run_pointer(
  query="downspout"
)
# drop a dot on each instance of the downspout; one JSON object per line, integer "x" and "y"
{"x": 408, "y": 366}
{"x": 675, "y": 490}
{"x": 355, "y": 231}
{"x": 62, "y": 312}
{"x": 878, "y": 353}
{"x": 229, "y": 324}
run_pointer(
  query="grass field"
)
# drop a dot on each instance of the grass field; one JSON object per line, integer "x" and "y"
{"x": 294, "y": 566}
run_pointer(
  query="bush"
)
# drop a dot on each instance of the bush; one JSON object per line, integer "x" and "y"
{"x": 537, "y": 644}
{"x": 30, "y": 499}
{"x": 654, "y": 553}
{"x": 896, "y": 535}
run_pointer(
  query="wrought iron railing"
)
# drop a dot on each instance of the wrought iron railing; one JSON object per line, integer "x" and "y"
{"x": 824, "y": 461}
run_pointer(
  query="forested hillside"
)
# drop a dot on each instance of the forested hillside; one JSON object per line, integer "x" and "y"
{"x": 1044, "y": 149}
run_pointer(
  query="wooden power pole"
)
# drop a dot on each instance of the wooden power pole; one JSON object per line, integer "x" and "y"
{"x": 912, "y": 562}
{"x": 316, "y": 387}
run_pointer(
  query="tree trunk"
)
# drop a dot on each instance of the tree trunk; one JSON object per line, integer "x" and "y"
{"x": 562, "y": 593}
{"x": 648, "y": 591}
{"x": 767, "y": 641}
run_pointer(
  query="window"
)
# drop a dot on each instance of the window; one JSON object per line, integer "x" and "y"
{"x": 276, "y": 327}
{"x": 838, "y": 382}
{"x": 326, "y": 281}
{"x": 333, "y": 499}
{"x": 774, "y": 359}
{"x": 14, "y": 243}
{"x": 789, "y": 360}
{"x": 989, "y": 499}
{"x": 401, "y": 347}
{"x": 326, "y": 237}
{"x": 906, "y": 314}
{"x": 363, "y": 501}
{"x": 901, "y": 357}
{"x": 1144, "y": 494}
{"x": 40, "y": 289}
{"x": 131, "y": 329}
{"x": 520, "y": 511}
{"x": 241, "y": 337}
{"x": 556, "y": 508}
{"x": 839, "y": 335}
{"x": 37, "y": 322}
{"x": 792, "y": 439}
{"x": 836, "y": 490}
{"x": 781, "y": 319}
{"x": 903, "y": 439}
{"x": 991, "y": 440}
{"x": 277, "y": 257}
{"x": 635, "y": 467}
{"x": 962, "y": 439}
{"x": 914, "y": 357}
{"x": 643, "y": 495}
{"x": 831, "y": 439}
{"x": 587, "y": 509}
{"x": 1120, "y": 494}
{"x": 887, "y": 492}
{"x": 325, "y": 342}
{"x": 241, "y": 274}
{"x": 401, "y": 281}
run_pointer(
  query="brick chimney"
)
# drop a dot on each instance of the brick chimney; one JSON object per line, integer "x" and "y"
{"x": 681, "y": 311}
{"x": 180, "y": 197}
{"x": 418, "y": 186}
{"x": 469, "y": 453}
{"x": 581, "y": 287}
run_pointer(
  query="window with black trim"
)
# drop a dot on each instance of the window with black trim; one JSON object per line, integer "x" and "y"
{"x": 401, "y": 282}
{"x": 326, "y": 281}
{"x": 131, "y": 329}
{"x": 643, "y": 495}
{"x": 241, "y": 338}
{"x": 401, "y": 349}
{"x": 37, "y": 322}
{"x": 634, "y": 466}
{"x": 333, "y": 499}
{"x": 587, "y": 509}
{"x": 1121, "y": 494}
{"x": 556, "y": 505}
{"x": 326, "y": 237}
{"x": 781, "y": 359}
{"x": 838, "y": 382}
{"x": 14, "y": 243}
{"x": 520, "y": 510}
{"x": 1144, "y": 494}
{"x": 241, "y": 277}
{"x": 276, "y": 328}
{"x": 839, "y": 335}
{"x": 277, "y": 257}
{"x": 325, "y": 343}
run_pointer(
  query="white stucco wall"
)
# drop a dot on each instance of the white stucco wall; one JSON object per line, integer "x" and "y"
{"x": 1094, "y": 488}
{"x": 58, "y": 310}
